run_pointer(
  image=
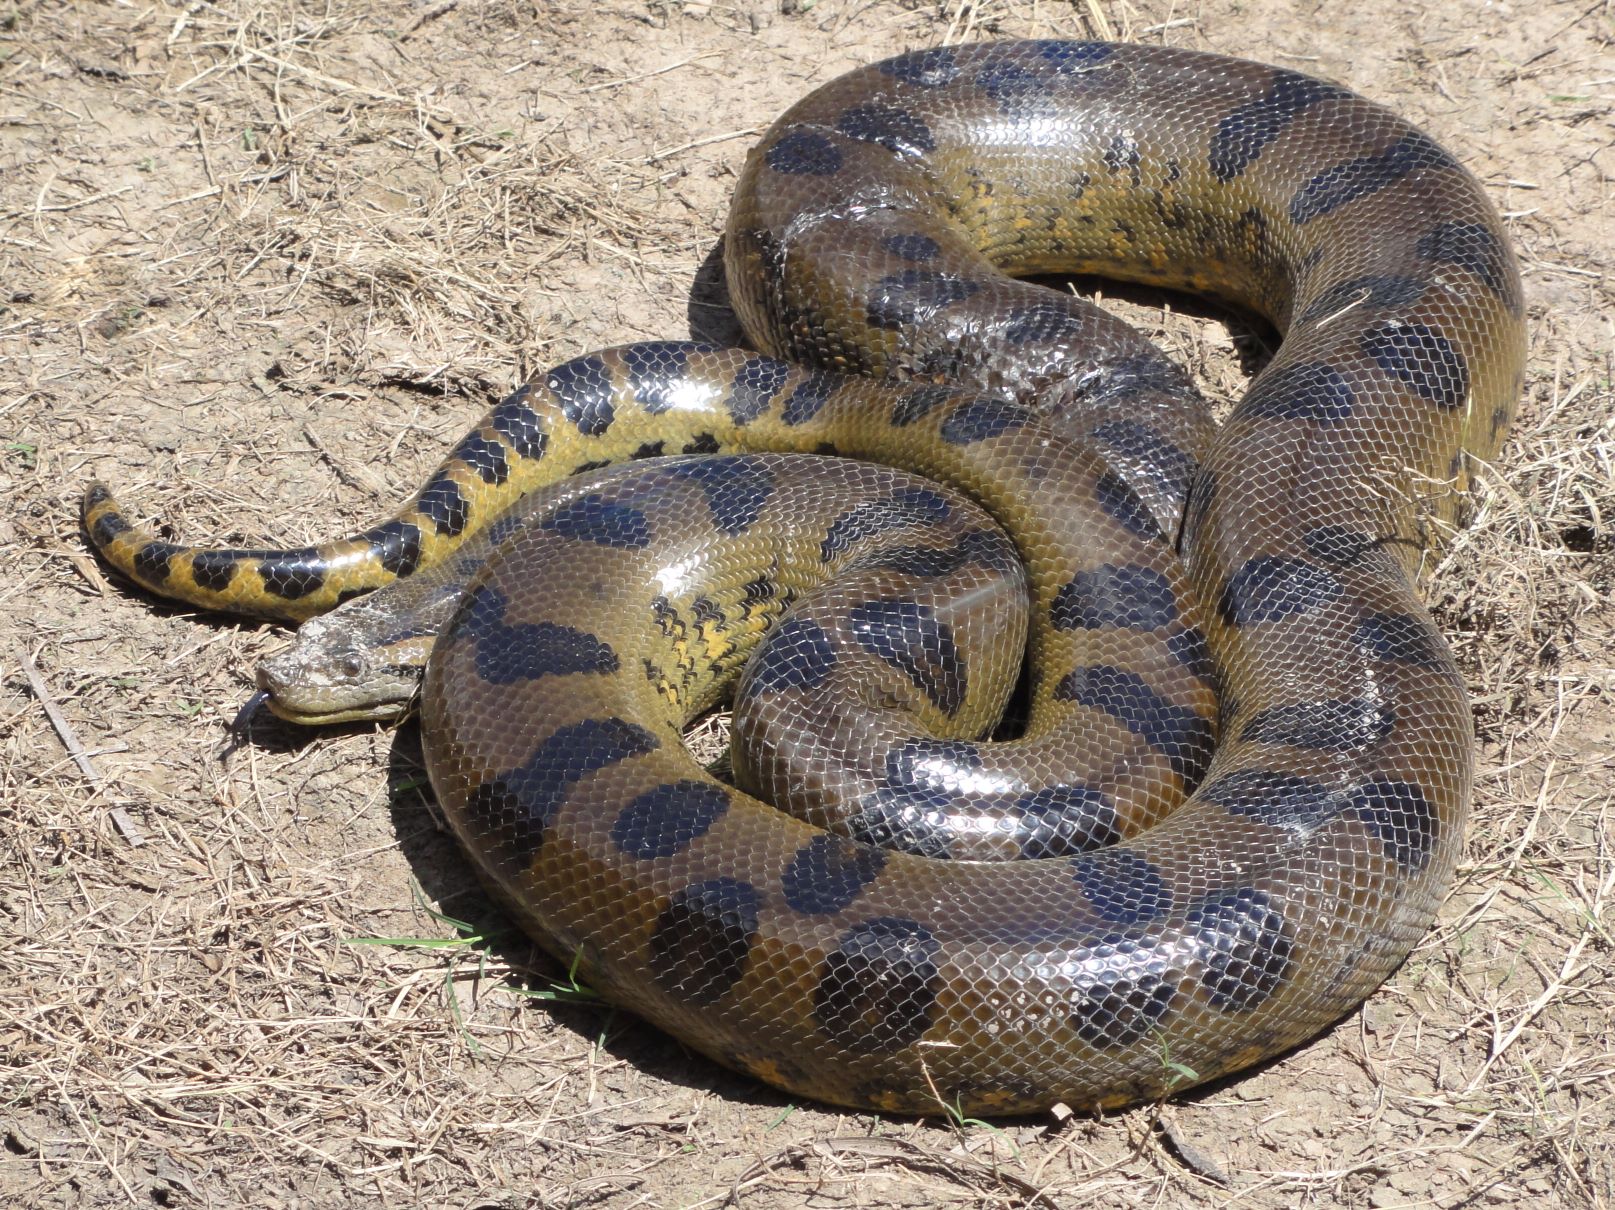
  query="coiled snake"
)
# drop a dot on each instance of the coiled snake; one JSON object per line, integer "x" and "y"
{"x": 871, "y": 233}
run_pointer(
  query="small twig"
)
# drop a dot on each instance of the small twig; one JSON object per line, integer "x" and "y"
{"x": 70, "y": 740}
{"x": 40, "y": 208}
{"x": 1190, "y": 1156}
{"x": 657, "y": 156}
{"x": 431, "y": 14}
{"x": 645, "y": 75}
{"x": 1100, "y": 23}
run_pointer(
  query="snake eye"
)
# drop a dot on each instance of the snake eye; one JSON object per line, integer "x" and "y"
{"x": 353, "y": 665}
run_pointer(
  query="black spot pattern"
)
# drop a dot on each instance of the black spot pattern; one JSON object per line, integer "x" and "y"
{"x": 1271, "y": 587}
{"x": 1134, "y": 597}
{"x": 1188, "y": 647}
{"x": 668, "y": 819}
{"x": 906, "y": 820}
{"x": 1422, "y": 359}
{"x": 1059, "y": 821}
{"x": 1280, "y": 800}
{"x": 828, "y": 873}
{"x": 978, "y": 546}
{"x": 1073, "y": 58}
{"x": 909, "y": 637}
{"x": 1313, "y": 392}
{"x": 1140, "y": 447}
{"x": 911, "y": 506}
{"x": 1123, "y": 153}
{"x": 598, "y": 519}
{"x": 979, "y": 419}
{"x": 1122, "y": 887}
{"x": 1473, "y": 248}
{"x": 1400, "y": 638}
{"x": 514, "y": 810}
{"x": 656, "y": 370}
{"x": 1377, "y": 290}
{"x": 1245, "y": 949}
{"x": 398, "y": 545}
{"x": 887, "y": 126}
{"x": 508, "y": 654}
{"x": 944, "y": 765}
{"x": 214, "y": 570}
{"x": 804, "y": 153}
{"x": 1338, "y": 545}
{"x": 1401, "y": 817}
{"x": 811, "y": 394}
{"x": 1242, "y": 136}
{"x": 917, "y": 248}
{"x": 798, "y": 655}
{"x": 1121, "y": 999}
{"x": 703, "y": 938}
{"x": 758, "y": 381}
{"x": 481, "y": 613}
{"x": 918, "y": 402}
{"x": 1140, "y": 374}
{"x": 512, "y": 829}
{"x": 584, "y": 389}
{"x": 737, "y": 489}
{"x": 1345, "y": 183}
{"x": 1122, "y": 505}
{"x": 519, "y": 425}
{"x": 876, "y": 992}
{"x": 107, "y": 526}
{"x": 292, "y": 574}
{"x": 444, "y": 504}
{"x": 1332, "y": 725}
{"x": 913, "y": 296}
{"x": 153, "y": 561}
{"x": 1176, "y": 732}
{"x": 701, "y": 443}
{"x": 1018, "y": 92}
{"x": 1042, "y": 322}
{"x": 925, "y": 68}
{"x": 487, "y": 458}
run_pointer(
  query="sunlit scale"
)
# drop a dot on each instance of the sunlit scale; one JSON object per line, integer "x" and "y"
{"x": 1156, "y": 911}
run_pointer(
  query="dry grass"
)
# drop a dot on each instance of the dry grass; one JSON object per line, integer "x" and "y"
{"x": 263, "y": 261}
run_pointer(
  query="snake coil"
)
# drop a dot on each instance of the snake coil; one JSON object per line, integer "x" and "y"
{"x": 1260, "y": 885}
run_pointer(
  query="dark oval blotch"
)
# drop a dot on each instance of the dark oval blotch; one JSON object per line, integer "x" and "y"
{"x": 1130, "y": 596}
{"x": 1122, "y": 887}
{"x": 828, "y": 873}
{"x": 804, "y": 153}
{"x": 703, "y": 938}
{"x": 1246, "y": 949}
{"x": 877, "y": 991}
{"x": 668, "y": 819}
{"x": 602, "y": 521}
{"x": 1271, "y": 587}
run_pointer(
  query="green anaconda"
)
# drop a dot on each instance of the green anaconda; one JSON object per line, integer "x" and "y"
{"x": 1257, "y": 891}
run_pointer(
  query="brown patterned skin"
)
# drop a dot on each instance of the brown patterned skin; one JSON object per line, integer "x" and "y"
{"x": 868, "y": 234}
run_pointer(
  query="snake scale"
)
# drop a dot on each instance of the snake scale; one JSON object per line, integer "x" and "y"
{"x": 1254, "y": 892}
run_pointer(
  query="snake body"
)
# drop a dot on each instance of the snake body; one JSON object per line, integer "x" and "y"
{"x": 871, "y": 232}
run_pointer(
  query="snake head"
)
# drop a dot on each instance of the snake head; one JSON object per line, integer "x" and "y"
{"x": 346, "y": 666}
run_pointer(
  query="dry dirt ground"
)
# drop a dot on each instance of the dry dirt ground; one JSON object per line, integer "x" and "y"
{"x": 262, "y": 262}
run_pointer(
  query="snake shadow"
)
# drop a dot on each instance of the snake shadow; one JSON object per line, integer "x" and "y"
{"x": 449, "y": 883}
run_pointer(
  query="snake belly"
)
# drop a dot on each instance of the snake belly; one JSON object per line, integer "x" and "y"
{"x": 871, "y": 232}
